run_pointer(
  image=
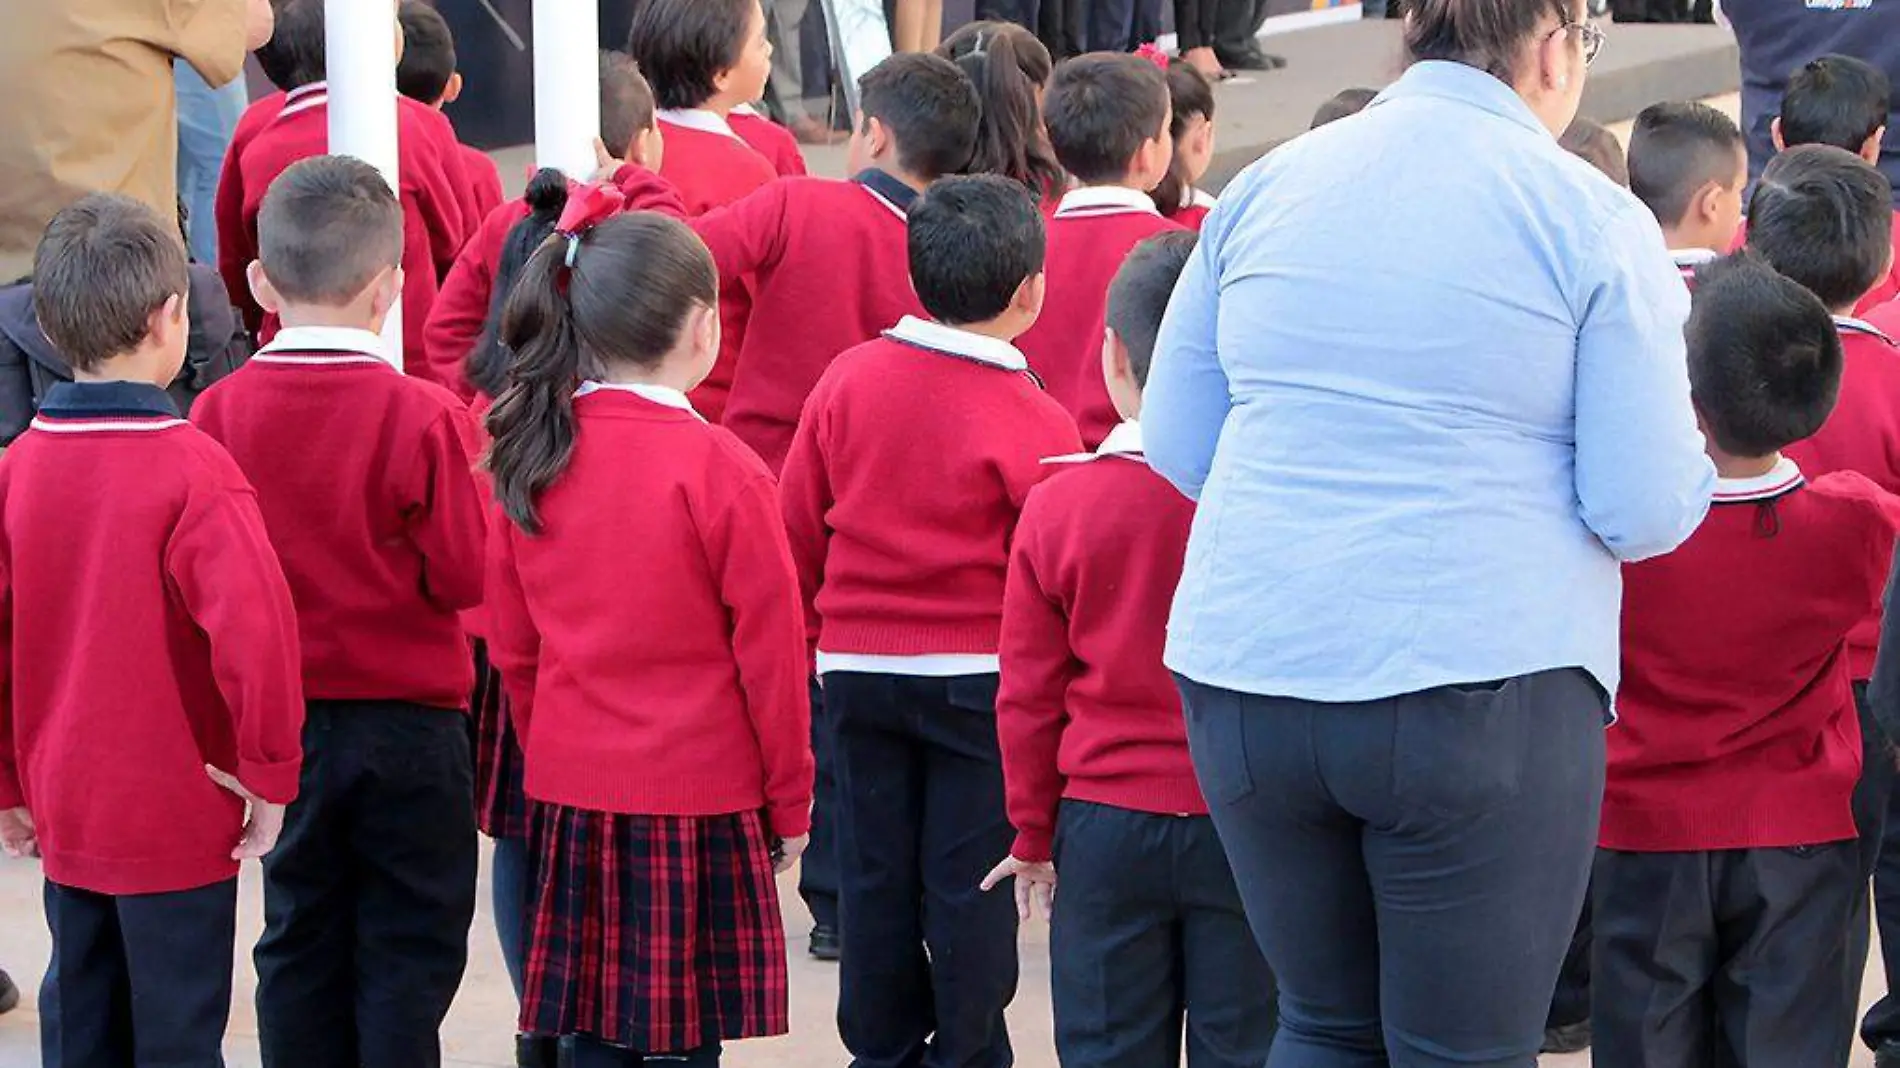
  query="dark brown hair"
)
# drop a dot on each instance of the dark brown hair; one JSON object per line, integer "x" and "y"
{"x": 1487, "y": 34}
{"x": 1009, "y": 68}
{"x": 1101, "y": 108}
{"x": 428, "y": 52}
{"x": 103, "y": 267}
{"x": 1594, "y": 144}
{"x": 328, "y": 226}
{"x": 1824, "y": 217}
{"x": 683, "y": 46}
{"x": 1675, "y": 150}
{"x": 1190, "y": 94}
{"x": 973, "y": 242}
{"x": 296, "y": 53}
{"x": 635, "y": 279}
{"x": 626, "y": 101}
{"x": 1344, "y": 104}
{"x": 930, "y": 108}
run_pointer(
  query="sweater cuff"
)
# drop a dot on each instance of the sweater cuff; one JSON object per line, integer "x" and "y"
{"x": 1033, "y": 848}
{"x": 275, "y": 782}
{"x": 788, "y": 821}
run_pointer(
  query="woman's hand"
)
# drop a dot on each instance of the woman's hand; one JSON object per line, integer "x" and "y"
{"x": 1034, "y": 883}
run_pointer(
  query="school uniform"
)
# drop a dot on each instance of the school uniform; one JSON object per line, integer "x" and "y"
{"x": 661, "y": 697}
{"x": 713, "y": 166}
{"x": 1690, "y": 260}
{"x": 1886, "y": 318}
{"x": 900, "y": 495}
{"x": 364, "y": 477}
{"x": 1193, "y": 213}
{"x": 1093, "y": 231}
{"x": 437, "y": 202}
{"x": 158, "y": 560}
{"x": 1728, "y": 867}
{"x": 1096, "y": 765}
{"x": 768, "y": 139}
{"x": 484, "y": 182}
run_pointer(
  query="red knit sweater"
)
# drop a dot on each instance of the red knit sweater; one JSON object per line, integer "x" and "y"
{"x": 654, "y": 655}
{"x": 484, "y": 182}
{"x": 1737, "y": 727}
{"x": 903, "y": 487}
{"x": 1886, "y": 318}
{"x": 1089, "y": 237}
{"x": 829, "y": 269}
{"x": 1863, "y": 435}
{"x": 367, "y": 485}
{"x": 770, "y": 140}
{"x": 1086, "y": 709}
{"x": 145, "y": 631}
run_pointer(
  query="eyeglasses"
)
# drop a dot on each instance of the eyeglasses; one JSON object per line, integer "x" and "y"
{"x": 1589, "y": 34}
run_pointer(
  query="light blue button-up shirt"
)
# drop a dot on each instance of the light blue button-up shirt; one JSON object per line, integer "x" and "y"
{"x": 1425, "y": 374}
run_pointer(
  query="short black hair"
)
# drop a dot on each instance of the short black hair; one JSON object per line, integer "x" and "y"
{"x": 327, "y": 226}
{"x": 1675, "y": 150}
{"x": 626, "y": 102}
{"x": 1344, "y": 104}
{"x": 428, "y": 52}
{"x": 682, "y": 46}
{"x": 974, "y": 241}
{"x": 1835, "y": 100}
{"x": 930, "y": 107}
{"x": 1824, "y": 217}
{"x": 1100, "y": 109}
{"x": 103, "y": 266}
{"x": 295, "y": 55}
{"x": 1138, "y": 297}
{"x": 1764, "y": 357}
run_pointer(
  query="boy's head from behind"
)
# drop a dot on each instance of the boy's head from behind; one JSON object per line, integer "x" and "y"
{"x": 295, "y": 54}
{"x": 1137, "y": 299}
{"x": 427, "y": 72}
{"x": 1764, "y": 358}
{"x": 109, "y": 287}
{"x": 702, "y": 53}
{"x": 1824, "y": 217}
{"x": 627, "y": 126}
{"x": 976, "y": 254}
{"x": 1689, "y": 165}
{"x": 1594, "y": 144}
{"x": 1108, "y": 116}
{"x": 1839, "y": 101}
{"x": 329, "y": 239}
{"x": 919, "y": 112}
{"x": 1345, "y": 104}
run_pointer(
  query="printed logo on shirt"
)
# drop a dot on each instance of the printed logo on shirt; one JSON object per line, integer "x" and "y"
{"x": 1839, "y": 5}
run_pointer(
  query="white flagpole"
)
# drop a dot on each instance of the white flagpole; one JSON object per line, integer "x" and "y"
{"x": 360, "y": 44}
{"x": 566, "y": 86}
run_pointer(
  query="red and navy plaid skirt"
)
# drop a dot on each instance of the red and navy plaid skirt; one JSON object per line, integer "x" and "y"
{"x": 501, "y": 804}
{"x": 654, "y": 933}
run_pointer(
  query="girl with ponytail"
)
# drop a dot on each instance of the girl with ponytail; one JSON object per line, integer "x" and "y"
{"x": 646, "y": 622}
{"x": 1192, "y": 128}
{"x": 1010, "y": 69}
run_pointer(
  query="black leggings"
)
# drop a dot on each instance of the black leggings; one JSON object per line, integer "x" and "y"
{"x": 1196, "y": 23}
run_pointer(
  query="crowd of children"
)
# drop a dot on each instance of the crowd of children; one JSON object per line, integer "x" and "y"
{"x": 732, "y": 519}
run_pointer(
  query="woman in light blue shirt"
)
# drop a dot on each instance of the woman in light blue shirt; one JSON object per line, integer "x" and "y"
{"x": 1425, "y": 375}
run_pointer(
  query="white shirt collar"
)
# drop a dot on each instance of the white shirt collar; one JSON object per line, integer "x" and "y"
{"x": 1105, "y": 200}
{"x": 746, "y": 109}
{"x": 697, "y": 119}
{"x": 926, "y": 334}
{"x": 353, "y": 345}
{"x": 1694, "y": 257}
{"x": 1201, "y": 199}
{"x": 1785, "y": 476}
{"x": 665, "y": 395}
{"x": 1853, "y": 325}
{"x": 1123, "y": 441}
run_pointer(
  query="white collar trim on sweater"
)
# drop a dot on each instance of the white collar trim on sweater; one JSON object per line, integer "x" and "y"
{"x": 697, "y": 119}
{"x": 925, "y": 334}
{"x": 1105, "y": 200}
{"x": 666, "y": 395}
{"x": 1123, "y": 441}
{"x": 1785, "y": 476}
{"x": 350, "y": 345}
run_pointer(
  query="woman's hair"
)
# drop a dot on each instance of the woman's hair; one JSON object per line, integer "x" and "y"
{"x": 1190, "y": 94}
{"x": 1009, "y": 68}
{"x": 635, "y": 279}
{"x": 682, "y": 46}
{"x": 1487, "y": 34}
{"x": 487, "y": 368}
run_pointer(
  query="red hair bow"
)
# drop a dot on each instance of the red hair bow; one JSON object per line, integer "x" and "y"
{"x": 588, "y": 206}
{"x": 1152, "y": 53}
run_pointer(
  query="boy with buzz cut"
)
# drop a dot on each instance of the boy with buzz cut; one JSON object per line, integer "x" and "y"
{"x": 900, "y": 494}
{"x": 1841, "y": 101}
{"x": 1688, "y": 164}
{"x": 1093, "y": 743}
{"x": 1728, "y": 869}
{"x": 1108, "y": 118}
{"x": 365, "y": 478}
{"x": 129, "y": 542}
{"x": 428, "y": 75}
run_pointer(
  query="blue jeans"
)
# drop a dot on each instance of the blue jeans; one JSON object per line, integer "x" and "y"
{"x": 207, "y": 117}
{"x": 511, "y": 902}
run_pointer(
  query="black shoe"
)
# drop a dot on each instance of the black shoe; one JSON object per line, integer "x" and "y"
{"x": 537, "y": 1051}
{"x": 1888, "y": 1055}
{"x": 824, "y": 943}
{"x": 1569, "y": 1038}
{"x": 1248, "y": 58}
{"x": 9, "y": 994}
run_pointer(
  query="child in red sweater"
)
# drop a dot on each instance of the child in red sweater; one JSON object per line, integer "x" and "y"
{"x": 1688, "y": 164}
{"x": 1011, "y": 71}
{"x": 427, "y": 75}
{"x": 654, "y": 655}
{"x": 1108, "y": 118}
{"x": 131, "y": 544}
{"x": 1093, "y": 741}
{"x": 1191, "y": 97}
{"x": 364, "y": 476}
{"x": 705, "y": 58}
{"x": 1729, "y": 870}
{"x": 768, "y": 139}
{"x": 900, "y": 494}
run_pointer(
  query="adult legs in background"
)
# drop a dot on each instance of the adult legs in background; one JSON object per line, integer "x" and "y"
{"x": 1021, "y": 12}
{"x": 1111, "y": 25}
{"x": 818, "y": 868}
{"x": 1196, "y": 27}
{"x": 1442, "y": 833}
{"x": 510, "y": 900}
{"x": 917, "y": 25}
{"x": 207, "y": 117}
{"x": 1063, "y": 27}
{"x": 1236, "y": 44}
{"x": 1567, "y": 1028}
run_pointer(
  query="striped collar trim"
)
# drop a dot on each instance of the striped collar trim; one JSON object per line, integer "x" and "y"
{"x": 1123, "y": 441}
{"x": 1784, "y": 479}
{"x": 60, "y": 424}
{"x": 305, "y": 98}
{"x": 1848, "y": 324}
{"x": 322, "y": 346}
{"x": 698, "y": 119}
{"x": 1105, "y": 200}
{"x": 1691, "y": 258}
{"x": 888, "y": 191}
{"x": 937, "y": 337}
{"x": 72, "y": 407}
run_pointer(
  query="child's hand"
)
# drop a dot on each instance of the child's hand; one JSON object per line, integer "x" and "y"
{"x": 261, "y": 827}
{"x": 787, "y": 851}
{"x": 605, "y": 162}
{"x": 17, "y": 834}
{"x": 1034, "y": 882}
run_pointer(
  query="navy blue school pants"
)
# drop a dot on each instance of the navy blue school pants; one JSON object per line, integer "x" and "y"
{"x": 929, "y": 960}
{"x": 1149, "y": 943}
{"x": 1877, "y": 816}
{"x": 1122, "y": 25}
{"x": 369, "y": 894}
{"x": 1722, "y": 958}
{"x": 818, "y": 867}
{"x": 1413, "y": 867}
{"x": 139, "y": 980}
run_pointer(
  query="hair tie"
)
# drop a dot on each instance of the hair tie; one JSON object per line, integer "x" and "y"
{"x": 976, "y": 48}
{"x": 1152, "y": 53}
{"x": 588, "y": 206}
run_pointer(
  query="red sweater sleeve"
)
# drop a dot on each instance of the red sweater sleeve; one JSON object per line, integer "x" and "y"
{"x": 11, "y": 793}
{"x": 237, "y": 246}
{"x": 804, "y": 499}
{"x": 444, "y": 511}
{"x": 1031, "y": 708}
{"x": 748, "y": 234}
{"x": 514, "y": 645}
{"x": 227, "y": 575}
{"x": 647, "y": 191}
{"x": 752, "y": 565}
